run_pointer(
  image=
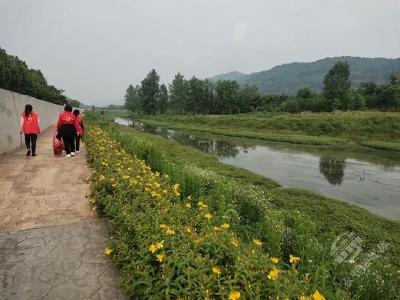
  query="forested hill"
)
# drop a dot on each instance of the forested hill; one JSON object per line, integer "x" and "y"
{"x": 289, "y": 78}
{"x": 16, "y": 76}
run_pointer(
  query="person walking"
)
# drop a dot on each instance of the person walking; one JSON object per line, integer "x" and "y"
{"x": 67, "y": 129}
{"x": 78, "y": 137}
{"x": 30, "y": 128}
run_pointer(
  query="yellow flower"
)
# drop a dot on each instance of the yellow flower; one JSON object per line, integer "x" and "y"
{"x": 208, "y": 216}
{"x": 201, "y": 205}
{"x": 225, "y": 226}
{"x": 302, "y": 297}
{"x": 318, "y": 296}
{"x": 293, "y": 259}
{"x": 274, "y": 260}
{"x": 258, "y": 243}
{"x": 234, "y": 242}
{"x": 188, "y": 205}
{"x": 154, "y": 194}
{"x": 273, "y": 274}
{"x": 160, "y": 245}
{"x": 215, "y": 228}
{"x": 169, "y": 231}
{"x": 162, "y": 226}
{"x": 160, "y": 257}
{"x": 234, "y": 295}
{"x": 188, "y": 229}
{"x": 107, "y": 251}
{"x": 217, "y": 270}
{"x": 152, "y": 248}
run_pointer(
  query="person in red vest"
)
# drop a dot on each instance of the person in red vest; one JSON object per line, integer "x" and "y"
{"x": 77, "y": 114}
{"x": 67, "y": 129}
{"x": 30, "y": 128}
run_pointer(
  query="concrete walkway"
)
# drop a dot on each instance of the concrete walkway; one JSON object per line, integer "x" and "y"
{"x": 51, "y": 246}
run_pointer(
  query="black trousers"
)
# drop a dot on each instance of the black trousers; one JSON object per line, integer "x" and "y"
{"x": 30, "y": 142}
{"x": 77, "y": 142}
{"x": 69, "y": 144}
{"x": 67, "y": 132}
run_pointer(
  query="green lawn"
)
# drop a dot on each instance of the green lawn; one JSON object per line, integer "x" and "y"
{"x": 370, "y": 129}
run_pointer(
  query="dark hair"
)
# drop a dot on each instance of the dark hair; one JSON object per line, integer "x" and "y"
{"x": 68, "y": 108}
{"x": 76, "y": 112}
{"x": 28, "y": 109}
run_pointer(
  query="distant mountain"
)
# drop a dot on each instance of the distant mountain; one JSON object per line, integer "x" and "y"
{"x": 239, "y": 77}
{"x": 289, "y": 78}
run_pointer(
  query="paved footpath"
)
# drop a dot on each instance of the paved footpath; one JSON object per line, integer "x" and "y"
{"x": 51, "y": 246}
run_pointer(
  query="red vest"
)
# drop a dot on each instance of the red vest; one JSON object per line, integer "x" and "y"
{"x": 30, "y": 123}
{"x": 68, "y": 118}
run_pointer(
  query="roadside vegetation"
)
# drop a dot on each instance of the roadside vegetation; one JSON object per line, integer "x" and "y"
{"x": 185, "y": 225}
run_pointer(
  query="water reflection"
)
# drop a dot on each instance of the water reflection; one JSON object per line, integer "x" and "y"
{"x": 219, "y": 148}
{"x": 332, "y": 169}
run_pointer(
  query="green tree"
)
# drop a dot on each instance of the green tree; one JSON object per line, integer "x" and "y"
{"x": 149, "y": 92}
{"x": 163, "y": 99}
{"x": 358, "y": 102}
{"x": 290, "y": 105}
{"x": 389, "y": 97}
{"x": 337, "y": 86}
{"x": 249, "y": 100}
{"x": 132, "y": 99}
{"x": 226, "y": 96}
{"x": 178, "y": 93}
{"x": 197, "y": 100}
{"x": 304, "y": 93}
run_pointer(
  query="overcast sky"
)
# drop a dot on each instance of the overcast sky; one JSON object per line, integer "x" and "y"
{"x": 94, "y": 49}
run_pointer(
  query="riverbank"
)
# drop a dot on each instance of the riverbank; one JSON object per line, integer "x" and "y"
{"x": 380, "y": 130}
{"x": 265, "y": 209}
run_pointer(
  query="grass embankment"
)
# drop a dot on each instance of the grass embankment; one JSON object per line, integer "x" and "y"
{"x": 286, "y": 221}
{"x": 371, "y": 129}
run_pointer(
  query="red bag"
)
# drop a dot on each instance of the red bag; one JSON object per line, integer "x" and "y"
{"x": 57, "y": 146}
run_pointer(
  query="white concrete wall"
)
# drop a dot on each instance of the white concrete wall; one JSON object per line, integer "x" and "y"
{"x": 11, "y": 106}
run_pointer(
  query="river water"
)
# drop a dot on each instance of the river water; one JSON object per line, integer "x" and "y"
{"x": 365, "y": 177}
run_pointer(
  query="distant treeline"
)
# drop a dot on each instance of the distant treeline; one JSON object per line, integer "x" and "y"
{"x": 198, "y": 96}
{"x": 16, "y": 76}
